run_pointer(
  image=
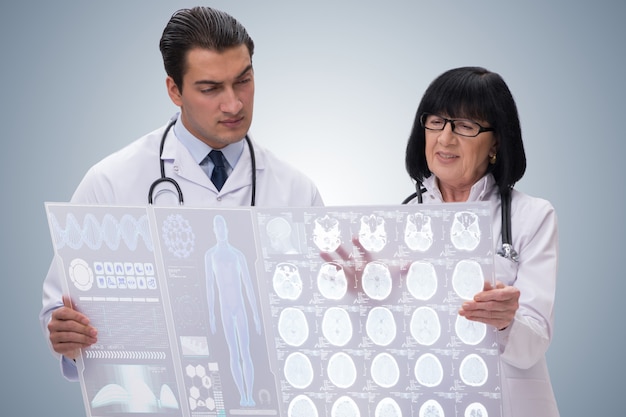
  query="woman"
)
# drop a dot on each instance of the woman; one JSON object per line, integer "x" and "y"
{"x": 466, "y": 145}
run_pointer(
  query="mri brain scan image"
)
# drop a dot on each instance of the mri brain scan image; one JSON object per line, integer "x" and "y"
{"x": 326, "y": 234}
{"x": 331, "y": 281}
{"x": 465, "y": 231}
{"x": 377, "y": 280}
{"x": 418, "y": 232}
{"x": 421, "y": 280}
{"x": 372, "y": 233}
{"x": 287, "y": 282}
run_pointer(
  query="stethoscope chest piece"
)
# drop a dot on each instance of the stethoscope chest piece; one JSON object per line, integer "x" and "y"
{"x": 507, "y": 250}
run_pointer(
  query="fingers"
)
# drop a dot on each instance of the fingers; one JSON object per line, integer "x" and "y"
{"x": 64, "y": 329}
{"x": 341, "y": 255}
{"x": 488, "y": 286}
{"x": 344, "y": 255}
{"x": 327, "y": 257}
{"x": 495, "y": 306}
{"x": 367, "y": 256}
{"x": 70, "y": 331}
{"x": 67, "y": 314}
{"x": 499, "y": 319}
{"x": 499, "y": 292}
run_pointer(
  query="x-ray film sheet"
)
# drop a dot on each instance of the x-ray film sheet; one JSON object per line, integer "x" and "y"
{"x": 206, "y": 312}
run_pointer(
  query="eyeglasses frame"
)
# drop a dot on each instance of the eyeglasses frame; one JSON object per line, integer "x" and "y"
{"x": 481, "y": 129}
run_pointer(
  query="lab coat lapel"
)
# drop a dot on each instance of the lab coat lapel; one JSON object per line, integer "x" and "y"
{"x": 242, "y": 173}
{"x": 180, "y": 165}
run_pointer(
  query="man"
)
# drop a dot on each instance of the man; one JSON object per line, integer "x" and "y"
{"x": 207, "y": 56}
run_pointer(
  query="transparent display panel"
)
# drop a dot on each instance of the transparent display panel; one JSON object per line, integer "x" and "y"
{"x": 334, "y": 311}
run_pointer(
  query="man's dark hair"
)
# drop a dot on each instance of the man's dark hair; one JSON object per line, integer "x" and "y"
{"x": 199, "y": 27}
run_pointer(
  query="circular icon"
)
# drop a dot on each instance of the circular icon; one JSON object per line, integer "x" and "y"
{"x": 81, "y": 274}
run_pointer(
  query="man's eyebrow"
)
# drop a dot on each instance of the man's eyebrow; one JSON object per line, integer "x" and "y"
{"x": 211, "y": 82}
{"x": 247, "y": 69}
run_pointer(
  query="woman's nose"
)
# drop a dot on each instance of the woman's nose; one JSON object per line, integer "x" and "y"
{"x": 447, "y": 135}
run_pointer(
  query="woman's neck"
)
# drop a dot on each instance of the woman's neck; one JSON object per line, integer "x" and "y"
{"x": 452, "y": 194}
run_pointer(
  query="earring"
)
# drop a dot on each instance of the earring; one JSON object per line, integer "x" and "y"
{"x": 492, "y": 159}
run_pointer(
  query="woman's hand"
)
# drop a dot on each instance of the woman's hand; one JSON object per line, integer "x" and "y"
{"x": 494, "y": 305}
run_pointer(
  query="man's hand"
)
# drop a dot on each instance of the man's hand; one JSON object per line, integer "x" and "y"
{"x": 70, "y": 331}
{"x": 494, "y": 305}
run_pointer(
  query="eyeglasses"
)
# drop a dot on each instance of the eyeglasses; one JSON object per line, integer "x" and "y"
{"x": 461, "y": 127}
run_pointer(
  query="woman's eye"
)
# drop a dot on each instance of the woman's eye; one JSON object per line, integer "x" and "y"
{"x": 436, "y": 122}
{"x": 465, "y": 126}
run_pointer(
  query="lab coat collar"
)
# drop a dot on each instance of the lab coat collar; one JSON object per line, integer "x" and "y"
{"x": 183, "y": 165}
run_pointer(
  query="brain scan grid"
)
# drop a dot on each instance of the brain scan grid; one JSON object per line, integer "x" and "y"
{"x": 261, "y": 311}
{"x": 378, "y": 334}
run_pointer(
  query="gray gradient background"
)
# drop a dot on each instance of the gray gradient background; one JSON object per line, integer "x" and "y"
{"x": 337, "y": 85}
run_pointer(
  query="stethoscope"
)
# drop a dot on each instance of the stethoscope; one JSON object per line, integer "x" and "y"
{"x": 507, "y": 250}
{"x": 172, "y": 181}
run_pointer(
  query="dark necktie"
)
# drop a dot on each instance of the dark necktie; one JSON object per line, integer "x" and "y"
{"x": 219, "y": 175}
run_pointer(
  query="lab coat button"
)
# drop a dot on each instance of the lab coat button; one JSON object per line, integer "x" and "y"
{"x": 219, "y": 198}
{"x": 176, "y": 168}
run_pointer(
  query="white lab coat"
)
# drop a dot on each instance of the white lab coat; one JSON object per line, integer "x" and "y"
{"x": 124, "y": 178}
{"x": 526, "y": 387}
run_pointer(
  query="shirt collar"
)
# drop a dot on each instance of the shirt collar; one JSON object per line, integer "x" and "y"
{"x": 479, "y": 191}
{"x": 199, "y": 149}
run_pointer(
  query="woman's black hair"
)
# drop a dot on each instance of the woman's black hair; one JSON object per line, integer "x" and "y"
{"x": 478, "y": 94}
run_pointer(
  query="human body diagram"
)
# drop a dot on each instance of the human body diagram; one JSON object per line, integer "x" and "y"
{"x": 229, "y": 282}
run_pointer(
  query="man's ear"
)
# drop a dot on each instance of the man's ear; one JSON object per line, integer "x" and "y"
{"x": 173, "y": 91}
